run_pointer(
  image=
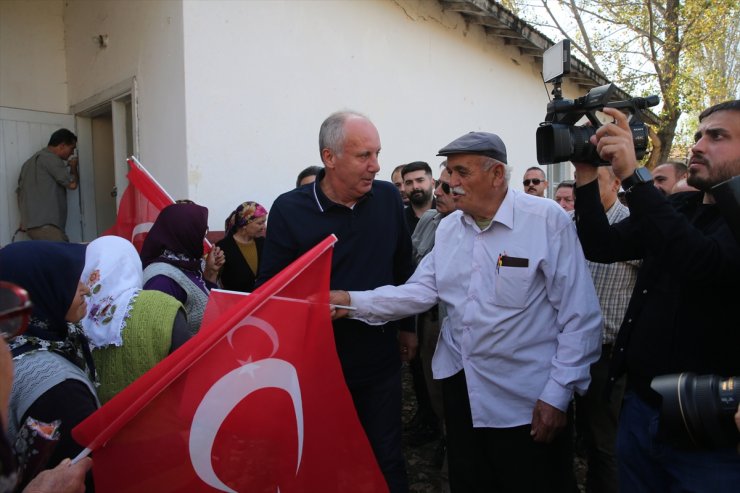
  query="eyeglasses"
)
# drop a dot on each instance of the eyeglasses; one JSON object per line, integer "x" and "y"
{"x": 534, "y": 181}
{"x": 445, "y": 186}
{"x": 15, "y": 310}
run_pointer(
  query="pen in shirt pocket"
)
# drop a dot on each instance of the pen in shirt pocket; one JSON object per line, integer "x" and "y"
{"x": 505, "y": 260}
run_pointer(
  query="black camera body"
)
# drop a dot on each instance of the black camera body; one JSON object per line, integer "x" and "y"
{"x": 697, "y": 412}
{"x": 558, "y": 137}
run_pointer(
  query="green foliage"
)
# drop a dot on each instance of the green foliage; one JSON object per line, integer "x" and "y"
{"x": 687, "y": 51}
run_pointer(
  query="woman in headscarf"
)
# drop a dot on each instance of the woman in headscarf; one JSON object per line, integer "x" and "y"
{"x": 242, "y": 245}
{"x": 172, "y": 255}
{"x": 130, "y": 329}
{"x": 65, "y": 478}
{"x": 53, "y": 371}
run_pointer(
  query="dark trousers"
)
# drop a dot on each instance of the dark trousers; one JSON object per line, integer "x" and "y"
{"x": 488, "y": 460}
{"x": 378, "y": 406}
{"x": 429, "y": 323}
{"x": 596, "y": 423}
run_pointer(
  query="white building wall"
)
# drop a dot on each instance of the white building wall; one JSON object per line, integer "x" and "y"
{"x": 144, "y": 41}
{"x": 262, "y": 75}
{"x": 33, "y": 72}
{"x": 230, "y": 94}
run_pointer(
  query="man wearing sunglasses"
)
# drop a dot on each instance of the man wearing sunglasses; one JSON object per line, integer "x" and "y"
{"x": 535, "y": 182}
{"x": 523, "y": 325}
{"x": 428, "y": 323}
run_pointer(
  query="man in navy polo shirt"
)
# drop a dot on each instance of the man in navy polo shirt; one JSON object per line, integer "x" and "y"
{"x": 373, "y": 249}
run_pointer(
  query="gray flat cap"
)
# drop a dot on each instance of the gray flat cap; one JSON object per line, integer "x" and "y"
{"x": 482, "y": 143}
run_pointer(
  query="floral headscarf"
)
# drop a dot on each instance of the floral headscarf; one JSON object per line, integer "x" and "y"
{"x": 176, "y": 238}
{"x": 114, "y": 277}
{"x": 243, "y": 215}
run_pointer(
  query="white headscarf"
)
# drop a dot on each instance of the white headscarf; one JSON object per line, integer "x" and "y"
{"x": 114, "y": 276}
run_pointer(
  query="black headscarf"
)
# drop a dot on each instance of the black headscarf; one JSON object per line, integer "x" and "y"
{"x": 50, "y": 272}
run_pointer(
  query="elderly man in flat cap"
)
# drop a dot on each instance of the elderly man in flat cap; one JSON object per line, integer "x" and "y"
{"x": 522, "y": 330}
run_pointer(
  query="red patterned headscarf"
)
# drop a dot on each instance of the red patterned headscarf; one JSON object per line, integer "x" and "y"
{"x": 243, "y": 215}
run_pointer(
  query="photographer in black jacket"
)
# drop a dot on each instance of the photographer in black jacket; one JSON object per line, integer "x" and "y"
{"x": 678, "y": 318}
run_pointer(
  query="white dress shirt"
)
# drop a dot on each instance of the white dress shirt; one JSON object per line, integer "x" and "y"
{"x": 523, "y": 318}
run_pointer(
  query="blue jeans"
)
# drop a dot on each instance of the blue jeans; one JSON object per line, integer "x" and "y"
{"x": 647, "y": 465}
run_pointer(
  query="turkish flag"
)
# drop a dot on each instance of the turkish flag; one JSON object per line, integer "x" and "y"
{"x": 255, "y": 402}
{"x": 140, "y": 205}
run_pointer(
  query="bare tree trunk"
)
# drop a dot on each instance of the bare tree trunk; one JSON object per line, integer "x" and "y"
{"x": 653, "y": 159}
{"x": 666, "y": 69}
{"x": 665, "y": 134}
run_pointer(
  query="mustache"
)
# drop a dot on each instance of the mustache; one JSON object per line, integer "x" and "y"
{"x": 457, "y": 191}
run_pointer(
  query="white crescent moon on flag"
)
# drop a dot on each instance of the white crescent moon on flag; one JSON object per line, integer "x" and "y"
{"x": 141, "y": 228}
{"x": 228, "y": 392}
{"x": 268, "y": 329}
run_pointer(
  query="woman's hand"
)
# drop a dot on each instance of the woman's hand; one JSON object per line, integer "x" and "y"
{"x": 214, "y": 262}
{"x": 65, "y": 478}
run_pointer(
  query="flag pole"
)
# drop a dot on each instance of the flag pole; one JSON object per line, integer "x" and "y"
{"x": 154, "y": 180}
{"x": 146, "y": 171}
{"x": 283, "y": 298}
{"x": 85, "y": 452}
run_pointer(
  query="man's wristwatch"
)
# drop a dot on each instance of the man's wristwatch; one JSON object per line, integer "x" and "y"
{"x": 639, "y": 177}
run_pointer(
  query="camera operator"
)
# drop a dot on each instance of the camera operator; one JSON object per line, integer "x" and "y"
{"x": 677, "y": 318}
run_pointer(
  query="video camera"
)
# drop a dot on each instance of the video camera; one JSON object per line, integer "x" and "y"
{"x": 558, "y": 137}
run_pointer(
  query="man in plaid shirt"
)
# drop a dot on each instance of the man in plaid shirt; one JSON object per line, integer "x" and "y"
{"x": 596, "y": 417}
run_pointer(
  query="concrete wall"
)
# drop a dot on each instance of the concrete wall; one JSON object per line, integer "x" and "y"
{"x": 145, "y": 42}
{"x": 230, "y": 94}
{"x": 33, "y": 69}
{"x": 262, "y": 75}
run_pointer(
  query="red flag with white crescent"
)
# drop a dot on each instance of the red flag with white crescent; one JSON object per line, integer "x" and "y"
{"x": 140, "y": 205}
{"x": 256, "y": 402}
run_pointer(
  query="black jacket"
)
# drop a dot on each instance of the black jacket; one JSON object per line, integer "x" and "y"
{"x": 236, "y": 274}
{"x": 681, "y": 316}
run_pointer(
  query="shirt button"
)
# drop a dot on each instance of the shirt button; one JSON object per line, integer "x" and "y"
{"x": 611, "y": 379}
{"x": 621, "y": 350}
{"x": 644, "y": 291}
{"x": 629, "y": 320}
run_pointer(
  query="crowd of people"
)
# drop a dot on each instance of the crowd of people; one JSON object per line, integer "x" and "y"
{"x": 525, "y": 321}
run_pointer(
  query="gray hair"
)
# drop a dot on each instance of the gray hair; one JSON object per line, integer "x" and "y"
{"x": 331, "y": 133}
{"x": 490, "y": 162}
